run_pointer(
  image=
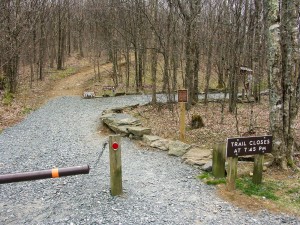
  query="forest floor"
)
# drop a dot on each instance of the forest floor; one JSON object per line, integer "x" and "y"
{"x": 163, "y": 119}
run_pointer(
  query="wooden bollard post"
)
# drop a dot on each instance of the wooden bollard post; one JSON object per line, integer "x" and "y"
{"x": 218, "y": 165}
{"x": 232, "y": 173}
{"x": 115, "y": 165}
{"x": 258, "y": 169}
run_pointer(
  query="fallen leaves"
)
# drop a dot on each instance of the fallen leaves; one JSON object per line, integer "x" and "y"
{"x": 164, "y": 121}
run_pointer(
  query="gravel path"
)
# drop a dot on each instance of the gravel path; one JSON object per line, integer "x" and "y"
{"x": 159, "y": 189}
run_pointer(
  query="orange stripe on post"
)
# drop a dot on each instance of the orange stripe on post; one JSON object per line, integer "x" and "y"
{"x": 55, "y": 173}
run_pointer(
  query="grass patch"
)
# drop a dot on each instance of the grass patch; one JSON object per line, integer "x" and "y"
{"x": 267, "y": 189}
{"x": 26, "y": 110}
{"x": 7, "y": 98}
{"x": 294, "y": 191}
{"x": 216, "y": 181}
{"x": 60, "y": 74}
{"x": 209, "y": 179}
{"x": 205, "y": 176}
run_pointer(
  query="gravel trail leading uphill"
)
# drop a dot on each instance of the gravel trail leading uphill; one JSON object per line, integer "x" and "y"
{"x": 158, "y": 189}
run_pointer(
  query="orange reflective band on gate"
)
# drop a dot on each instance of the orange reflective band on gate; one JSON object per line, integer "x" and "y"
{"x": 55, "y": 173}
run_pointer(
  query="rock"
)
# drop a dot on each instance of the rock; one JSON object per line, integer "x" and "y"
{"x": 120, "y": 119}
{"x": 148, "y": 139}
{"x": 124, "y": 124}
{"x": 198, "y": 154}
{"x": 88, "y": 94}
{"x": 195, "y": 162}
{"x": 162, "y": 144}
{"x": 178, "y": 148}
{"x": 207, "y": 167}
{"x": 119, "y": 122}
{"x": 119, "y": 130}
{"x": 139, "y": 131}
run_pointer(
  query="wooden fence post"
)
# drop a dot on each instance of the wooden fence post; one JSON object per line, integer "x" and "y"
{"x": 232, "y": 173}
{"x": 115, "y": 165}
{"x": 218, "y": 165}
{"x": 258, "y": 169}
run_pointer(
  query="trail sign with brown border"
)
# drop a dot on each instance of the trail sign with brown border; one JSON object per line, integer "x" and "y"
{"x": 183, "y": 95}
{"x": 248, "y": 146}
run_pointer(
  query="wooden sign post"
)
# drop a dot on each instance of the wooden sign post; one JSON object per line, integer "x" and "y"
{"x": 182, "y": 99}
{"x": 232, "y": 173}
{"x": 218, "y": 161}
{"x": 115, "y": 165}
{"x": 257, "y": 146}
{"x": 258, "y": 168}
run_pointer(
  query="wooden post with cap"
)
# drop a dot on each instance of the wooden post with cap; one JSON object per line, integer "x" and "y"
{"x": 115, "y": 165}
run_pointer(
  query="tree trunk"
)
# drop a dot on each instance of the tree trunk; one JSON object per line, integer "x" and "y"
{"x": 42, "y": 46}
{"x": 208, "y": 70}
{"x": 196, "y": 72}
{"x": 283, "y": 77}
{"x": 137, "y": 88}
{"x": 11, "y": 72}
{"x": 153, "y": 74}
{"x": 154, "y": 53}
{"x": 127, "y": 59}
{"x": 188, "y": 64}
{"x": 60, "y": 40}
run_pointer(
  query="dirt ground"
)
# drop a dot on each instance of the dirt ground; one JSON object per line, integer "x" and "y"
{"x": 164, "y": 121}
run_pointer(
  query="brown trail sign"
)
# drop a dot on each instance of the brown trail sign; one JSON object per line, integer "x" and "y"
{"x": 183, "y": 95}
{"x": 248, "y": 146}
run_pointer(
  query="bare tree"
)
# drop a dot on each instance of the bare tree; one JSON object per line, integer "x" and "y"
{"x": 190, "y": 12}
{"x": 16, "y": 24}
